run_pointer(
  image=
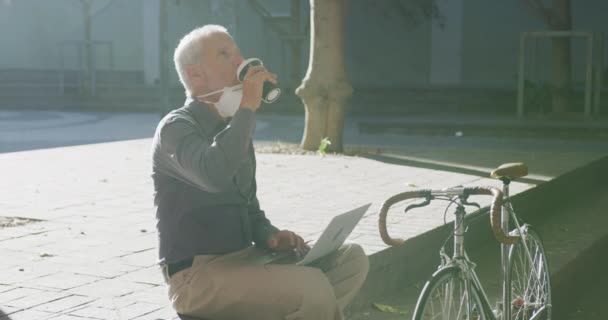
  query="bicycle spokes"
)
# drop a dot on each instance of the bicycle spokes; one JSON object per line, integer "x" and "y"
{"x": 530, "y": 294}
{"x": 449, "y": 300}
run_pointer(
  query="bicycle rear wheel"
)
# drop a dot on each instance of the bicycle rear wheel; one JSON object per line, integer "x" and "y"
{"x": 530, "y": 279}
{"x": 444, "y": 297}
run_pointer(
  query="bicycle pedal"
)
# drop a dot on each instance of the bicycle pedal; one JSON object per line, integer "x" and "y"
{"x": 497, "y": 314}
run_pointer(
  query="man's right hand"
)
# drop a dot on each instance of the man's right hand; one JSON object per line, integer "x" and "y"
{"x": 288, "y": 240}
{"x": 253, "y": 84}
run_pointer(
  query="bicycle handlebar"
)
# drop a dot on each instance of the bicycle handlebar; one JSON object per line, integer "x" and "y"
{"x": 495, "y": 211}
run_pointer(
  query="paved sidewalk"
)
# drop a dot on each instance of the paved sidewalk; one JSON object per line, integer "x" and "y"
{"x": 93, "y": 255}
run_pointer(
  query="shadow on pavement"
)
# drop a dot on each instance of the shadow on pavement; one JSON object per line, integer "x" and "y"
{"x": 32, "y": 130}
{"x": 32, "y": 117}
{"x": 480, "y": 172}
{"x": 4, "y": 316}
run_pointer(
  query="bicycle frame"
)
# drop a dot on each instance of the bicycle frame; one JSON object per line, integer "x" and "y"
{"x": 504, "y": 253}
{"x": 520, "y": 230}
{"x": 462, "y": 261}
{"x": 509, "y": 212}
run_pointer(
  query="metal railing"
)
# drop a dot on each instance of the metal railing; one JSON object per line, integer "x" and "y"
{"x": 593, "y": 69}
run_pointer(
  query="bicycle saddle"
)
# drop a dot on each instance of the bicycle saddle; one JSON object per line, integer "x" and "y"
{"x": 510, "y": 171}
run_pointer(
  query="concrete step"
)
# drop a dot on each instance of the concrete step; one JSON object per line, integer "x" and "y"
{"x": 574, "y": 129}
{"x": 80, "y": 104}
{"x": 100, "y": 87}
{"x": 132, "y": 97}
{"x": 51, "y": 75}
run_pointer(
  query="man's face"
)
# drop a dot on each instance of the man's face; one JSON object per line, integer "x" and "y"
{"x": 221, "y": 59}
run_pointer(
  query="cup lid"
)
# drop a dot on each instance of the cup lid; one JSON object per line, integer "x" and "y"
{"x": 246, "y": 63}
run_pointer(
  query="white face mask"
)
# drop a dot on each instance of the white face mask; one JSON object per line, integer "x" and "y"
{"x": 230, "y": 100}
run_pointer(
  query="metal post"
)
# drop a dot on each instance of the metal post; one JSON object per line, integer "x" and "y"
{"x": 598, "y": 73}
{"x": 88, "y": 45}
{"x": 589, "y": 78}
{"x": 93, "y": 69}
{"x": 520, "y": 76}
{"x": 504, "y": 251}
{"x": 164, "y": 56}
{"x": 110, "y": 64}
{"x": 81, "y": 81}
{"x": 535, "y": 60}
{"x": 295, "y": 42}
{"x": 61, "y": 71}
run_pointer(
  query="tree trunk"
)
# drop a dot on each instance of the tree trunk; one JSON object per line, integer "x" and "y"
{"x": 325, "y": 87}
{"x": 560, "y": 54}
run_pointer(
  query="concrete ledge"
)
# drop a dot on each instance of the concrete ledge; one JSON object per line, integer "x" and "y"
{"x": 578, "y": 275}
{"x": 535, "y": 204}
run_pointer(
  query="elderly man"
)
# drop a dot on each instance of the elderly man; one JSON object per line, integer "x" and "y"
{"x": 211, "y": 229}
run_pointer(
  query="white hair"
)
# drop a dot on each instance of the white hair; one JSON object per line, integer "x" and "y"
{"x": 189, "y": 49}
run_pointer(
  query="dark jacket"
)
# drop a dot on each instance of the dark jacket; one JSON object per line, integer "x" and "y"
{"x": 204, "y": 182}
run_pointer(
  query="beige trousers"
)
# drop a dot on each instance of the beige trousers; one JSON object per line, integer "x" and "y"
{"x": 240, "y": 286}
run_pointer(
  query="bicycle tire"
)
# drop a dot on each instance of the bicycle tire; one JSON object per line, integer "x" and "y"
{"x": 425, "y": 307}
{"x": 529, "y": 293}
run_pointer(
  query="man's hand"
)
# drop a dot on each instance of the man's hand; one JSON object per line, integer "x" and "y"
{"x": 253, "y": 84}
{"x": 287, "y": 240}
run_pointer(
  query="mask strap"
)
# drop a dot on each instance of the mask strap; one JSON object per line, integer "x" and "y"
{"x": 237, "y": 87}
{"x": 210, "y": 93}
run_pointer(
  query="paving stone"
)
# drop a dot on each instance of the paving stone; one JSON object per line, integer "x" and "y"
{"x": 156, "y": 295}
{"x": 27, "y": 315}
{"x": 24, "y": 242}
{"x": 7, "y": 310}
{"x": 10, "y": 233}
{"x": 4, "y": 287}
{"x": 35, "y": 299}
{"x": 150, "y": 275}
{"x": 103, "y": 269}
{"x": 144, "y": 258}
{"x": 114, "y": 308}
{"x": 61, "y": 280}
{"x": 14, "y": 257}
{"x": 164, "y": 313}
{"x": 28, "y": 271}
{"x": 137, "y": 309}
{"x": 16, "y": 293}
{"x": 113, "y": 303}
{"x": 69, "y": 259}
{"x": 136, "y": 243}
{"x": 99, "y": 253}
{"x": 69, "y": 246}
{"x": 65, "y": 303}
{"x": 95, "y": 313}
{"x": 108, "y": 288}
{"x": 70, "y": 317}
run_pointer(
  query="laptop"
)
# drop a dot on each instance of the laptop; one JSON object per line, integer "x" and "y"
{"x": 330, "y": 240}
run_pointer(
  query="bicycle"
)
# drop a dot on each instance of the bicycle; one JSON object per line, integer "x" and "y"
{"x": 454, "y": 291}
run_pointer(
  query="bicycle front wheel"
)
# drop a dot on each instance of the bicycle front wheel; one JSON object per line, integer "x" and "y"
{"x": 444, "y": 297}
{"x": 530, "y": 283}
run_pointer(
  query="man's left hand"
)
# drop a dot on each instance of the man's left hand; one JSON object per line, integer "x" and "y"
{"x": 287, "y": 240}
